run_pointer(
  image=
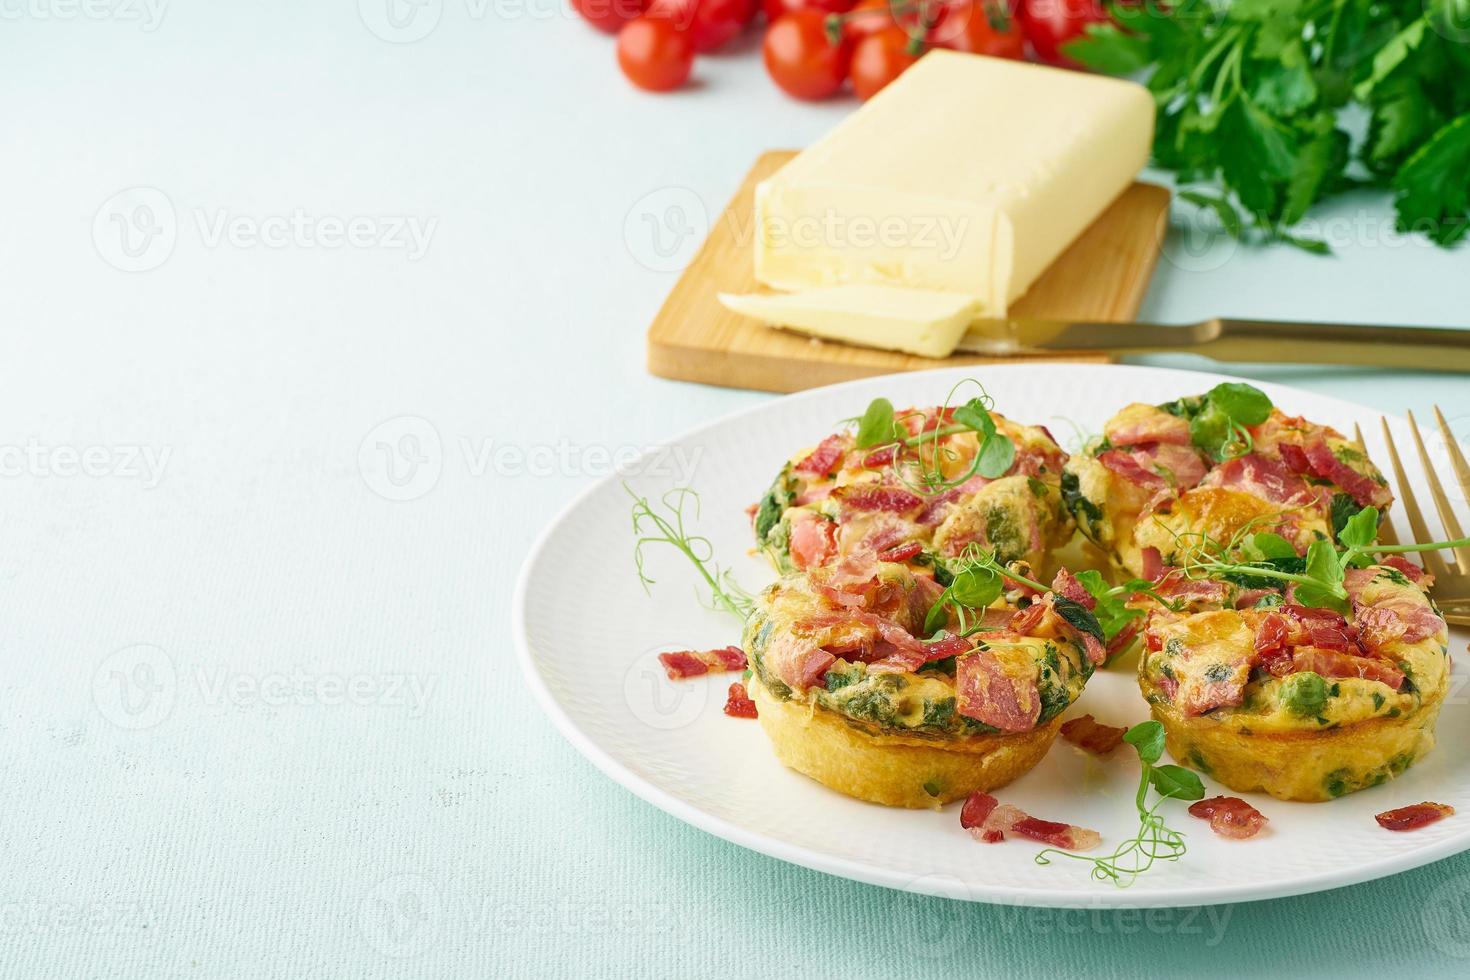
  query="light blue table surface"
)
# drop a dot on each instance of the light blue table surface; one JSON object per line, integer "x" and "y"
{"x": 256, "y": 719}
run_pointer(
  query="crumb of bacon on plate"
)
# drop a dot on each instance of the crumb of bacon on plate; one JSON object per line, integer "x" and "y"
{"x": 1230, "y": 816}
{"x": 1414, "y": 816}
{"x": 680, "y": 664}
{"x": 989, "y": 820}
{"x": 1086, "y": 732}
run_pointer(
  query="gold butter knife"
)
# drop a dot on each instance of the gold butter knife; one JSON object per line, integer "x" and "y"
{"x": 1423, "y": 348}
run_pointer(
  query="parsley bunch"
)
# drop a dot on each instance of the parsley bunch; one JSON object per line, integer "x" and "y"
{"x": 1253, "y": 96}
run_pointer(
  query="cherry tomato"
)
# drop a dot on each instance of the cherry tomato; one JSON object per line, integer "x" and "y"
{"x": 1049, "y": 24}
{"x": 868, "y": 17}
{"x": 965, "y": 25}
{"x": 609, "y": 16}
{"x": 711, "y": 24}
{"x": 655, "y": 54}
{"x": 880, "y": 58}
{"x": 775, "y": 8}
{"x": 799, "y": 57}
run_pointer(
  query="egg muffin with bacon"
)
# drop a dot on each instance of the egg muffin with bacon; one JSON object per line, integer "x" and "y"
{"x": 865, "y": 681}
{"x": 1263, "y": 693}
{"x": 916, "y": 484}
{"x": 1162, "y": 479}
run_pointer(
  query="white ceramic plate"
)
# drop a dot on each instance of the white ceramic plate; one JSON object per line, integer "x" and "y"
{"x": 590, "y": 657}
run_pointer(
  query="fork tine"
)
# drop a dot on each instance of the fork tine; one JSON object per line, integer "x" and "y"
{"x": 1441, "y": 502}
{"x": 1386, "y": 532}
{"x": 1433, "y": 563}
{"x": 1462, "y": 473}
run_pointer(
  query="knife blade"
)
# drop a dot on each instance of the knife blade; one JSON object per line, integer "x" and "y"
{"x": 1420, "y": 348}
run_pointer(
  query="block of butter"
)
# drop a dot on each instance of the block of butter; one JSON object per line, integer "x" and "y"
{"x": 968, "y": 174}
{"x": 919, "y": 321}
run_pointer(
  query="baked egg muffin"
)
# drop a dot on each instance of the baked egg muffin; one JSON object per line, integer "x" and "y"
{"x": 843, "y": 499}
{"x": 1264, "y": 694}
{"x": 852, "y": 694}
{"x": 1163, "y": 478}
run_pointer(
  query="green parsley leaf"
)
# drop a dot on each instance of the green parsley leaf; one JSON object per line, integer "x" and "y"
{"x": 1257, "y": 154}
{"x": 1318, "y": 161}
{"x": 1106, "y": 47}
{"x": 1310, "y": 245}
{"x": 1392, "y": 55}
{"x": 1433, "y": 186}
{"x": 1403, "y": 118}
{"x": 1223, "y": 209}
{"x": 1284, "y": 89}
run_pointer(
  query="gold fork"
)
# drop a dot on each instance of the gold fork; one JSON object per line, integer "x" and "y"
{"x": 1451, "y": 567}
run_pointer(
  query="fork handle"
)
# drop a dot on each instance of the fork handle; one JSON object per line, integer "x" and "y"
{"x": 1420, "y": 348}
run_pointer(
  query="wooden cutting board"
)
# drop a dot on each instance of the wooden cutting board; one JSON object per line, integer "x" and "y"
{"x": 1102, "y": 276}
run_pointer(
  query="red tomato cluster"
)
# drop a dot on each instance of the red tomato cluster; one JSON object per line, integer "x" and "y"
{"x": 813, "y": 49}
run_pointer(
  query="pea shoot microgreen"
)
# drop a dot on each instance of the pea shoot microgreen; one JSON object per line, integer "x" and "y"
{"x": 972, "y": 590}
{"x": 1154, "y": 841}
{"x": 879, "y": 425}
{"x": 919, "y": 461}
{"x": 1112, "y": 611}
{"x": 979, "y": 579}
{"x": 1318, "y": 578}
{"x": 651, "y": 527}
{"x": 1219, "y": 423}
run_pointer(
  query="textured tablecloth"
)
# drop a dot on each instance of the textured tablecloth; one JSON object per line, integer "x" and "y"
{"x": 258, "y": 707}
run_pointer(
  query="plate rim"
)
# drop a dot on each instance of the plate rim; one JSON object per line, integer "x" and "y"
{"x": 933, "y": 885}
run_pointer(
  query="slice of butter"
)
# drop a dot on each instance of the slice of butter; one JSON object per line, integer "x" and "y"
{"x": 918, "y": 321}
{"x": 967, "y": 175}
